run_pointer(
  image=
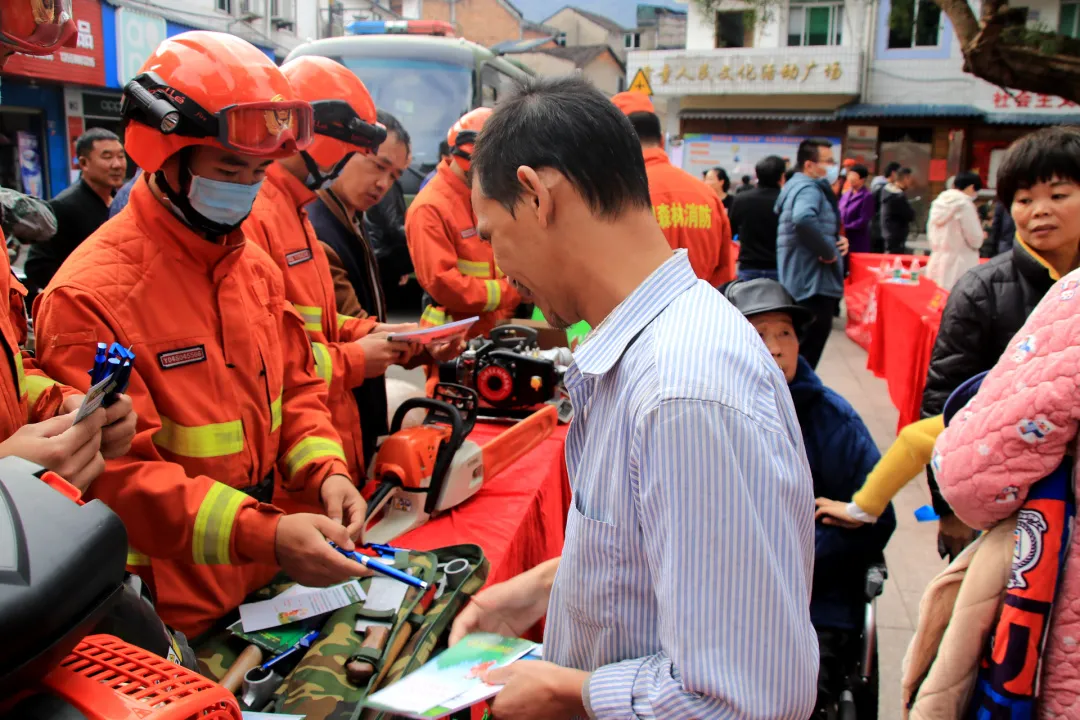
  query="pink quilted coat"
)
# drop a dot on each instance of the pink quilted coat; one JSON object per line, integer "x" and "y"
{"x": 1013, "y": 433}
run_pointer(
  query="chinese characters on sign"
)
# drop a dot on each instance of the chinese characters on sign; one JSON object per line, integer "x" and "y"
{"x": 767, "y": 72}
{"x": 1022, "y": 100}
{"x": 679, "y": 215}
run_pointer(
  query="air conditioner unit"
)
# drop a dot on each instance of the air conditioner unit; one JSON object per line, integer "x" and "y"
{"x": 252, "y": 9}
{"x": 283, "y": 13}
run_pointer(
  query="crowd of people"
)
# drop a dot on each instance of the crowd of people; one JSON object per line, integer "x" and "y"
{"x": 696, "y": 580}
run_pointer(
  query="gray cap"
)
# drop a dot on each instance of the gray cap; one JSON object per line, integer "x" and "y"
{"x": 762, "y": 295}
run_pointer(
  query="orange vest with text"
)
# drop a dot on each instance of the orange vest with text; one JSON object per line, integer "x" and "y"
{"x": 691, "y": 217}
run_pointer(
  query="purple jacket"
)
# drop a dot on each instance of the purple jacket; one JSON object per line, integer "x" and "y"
{"x": 856, "y": 213}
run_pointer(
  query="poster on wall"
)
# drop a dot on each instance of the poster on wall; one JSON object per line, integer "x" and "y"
{"x": 738, "y": 154}
{"x": 33, "y": 183}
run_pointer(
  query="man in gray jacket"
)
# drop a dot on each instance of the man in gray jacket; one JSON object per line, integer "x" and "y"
{"x": 809, "y": 244}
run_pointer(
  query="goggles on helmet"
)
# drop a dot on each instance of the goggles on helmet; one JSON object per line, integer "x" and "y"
{"x": 257, "y": 128}
{"x": 55, "y": 27}
{"x": 336, "y": 119}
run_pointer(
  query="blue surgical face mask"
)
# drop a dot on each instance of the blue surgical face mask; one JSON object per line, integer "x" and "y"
{"x": 225, "y": 203}
{"x": 832, "y": 173}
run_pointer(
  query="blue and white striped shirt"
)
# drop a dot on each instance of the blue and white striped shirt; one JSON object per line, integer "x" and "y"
{"x": 684, "y": 583}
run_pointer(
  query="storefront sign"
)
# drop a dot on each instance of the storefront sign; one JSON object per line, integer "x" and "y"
{"x": 82, "y": 65}
{"x": 748, "y": 70}
{"x": 100, "y": 106}
{"x": 995, "y": 100}
{"x": 137, "y": 35}
{"x": 738, "y": 154}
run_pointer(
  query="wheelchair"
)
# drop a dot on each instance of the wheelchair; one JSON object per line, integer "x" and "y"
{"x": 852, "y": 691}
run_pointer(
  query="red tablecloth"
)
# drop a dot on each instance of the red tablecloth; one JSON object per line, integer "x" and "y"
{"x": 902, "y": 340}
{"x": 860, "y": 294}
{"x": 518, "y": 517}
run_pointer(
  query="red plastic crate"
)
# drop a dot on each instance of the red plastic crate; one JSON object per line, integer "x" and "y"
{"x": 108, "y": 679}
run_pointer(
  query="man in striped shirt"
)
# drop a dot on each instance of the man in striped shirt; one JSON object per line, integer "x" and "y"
{"x": 684, "y": 584}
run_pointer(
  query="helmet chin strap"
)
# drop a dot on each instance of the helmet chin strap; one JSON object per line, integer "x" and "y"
{"x": 180, "y": 201}
{"x": 316, "y": 179}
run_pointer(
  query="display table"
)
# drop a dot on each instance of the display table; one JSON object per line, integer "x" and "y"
{"x": 860, "y": 291}
{"x": 905, "y": 327}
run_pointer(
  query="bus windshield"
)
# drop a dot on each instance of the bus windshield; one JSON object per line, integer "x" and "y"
{"x": 426, "y": 96}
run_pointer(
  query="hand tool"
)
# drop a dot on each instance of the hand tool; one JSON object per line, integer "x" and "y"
{"x": 360, "y": 668}
{"x": 261, "y": 682}
{"x": 250, "y": 658}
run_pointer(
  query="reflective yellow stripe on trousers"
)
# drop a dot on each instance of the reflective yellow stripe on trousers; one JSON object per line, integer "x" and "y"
{"x": 324, "y": 364}
{"x": 494, "y": 295}
{"x": 308, "y": 451}
{"x": 210, "y": 541}
{"x": 201, "y": 441}
{"x": 312, "y": 317}
{"x": 36, "y": 385}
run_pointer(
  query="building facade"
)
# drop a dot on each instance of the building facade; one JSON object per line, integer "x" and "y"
{"x": 884, "y": 80}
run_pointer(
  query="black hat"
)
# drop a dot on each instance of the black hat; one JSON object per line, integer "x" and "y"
{"x": 762, "y": 295}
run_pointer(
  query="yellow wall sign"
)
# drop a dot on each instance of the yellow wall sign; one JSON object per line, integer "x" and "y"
{"x": 641, "y": 83}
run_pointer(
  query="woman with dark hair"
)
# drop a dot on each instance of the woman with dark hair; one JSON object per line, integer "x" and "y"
{"x": 718, "y": 180}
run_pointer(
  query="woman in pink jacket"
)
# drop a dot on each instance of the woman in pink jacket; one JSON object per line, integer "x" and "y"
{"x": 1025, "y": 418}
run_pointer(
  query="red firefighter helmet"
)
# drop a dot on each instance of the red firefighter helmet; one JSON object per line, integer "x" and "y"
{"x": 209, "y": 88}
{"x": 462, "y": 136}
{"x": 36, "y": 27}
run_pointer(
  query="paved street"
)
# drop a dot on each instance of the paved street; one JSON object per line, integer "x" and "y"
{"x": 911, "y": 555}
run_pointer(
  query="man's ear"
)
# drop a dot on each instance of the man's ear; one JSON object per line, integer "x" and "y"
{"x": 536, "y": 195}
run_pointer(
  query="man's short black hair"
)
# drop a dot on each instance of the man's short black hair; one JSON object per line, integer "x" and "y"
{"x": 860, "y": 170}
{"x": 1041, "y": 156}
{"x": 968, "y": 179}
{"x": 647, "y": 127}
{"x": 394, "y": 127}
{"x": 904, "y": 172}
{"x": 85, "y": 144}
{"x": 769, "y": 171}
{"x": 567, "y": 125}
{"x": 808, "y": 151}
{"x": 890, "y": 169}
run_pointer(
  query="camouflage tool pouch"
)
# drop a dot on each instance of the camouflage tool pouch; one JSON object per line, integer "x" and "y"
{"x": 318, "y": 687}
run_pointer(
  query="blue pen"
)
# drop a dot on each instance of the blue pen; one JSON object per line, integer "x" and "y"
{"x": 386, "y": 549}
{"x": 303, "y": 642}
{"x": 99, "y": 362}
{"x": 373, "y": 564}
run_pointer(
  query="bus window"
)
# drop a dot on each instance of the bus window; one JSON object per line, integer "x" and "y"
{"x": 489, "y": 87}
{"x": 426, "y": 96}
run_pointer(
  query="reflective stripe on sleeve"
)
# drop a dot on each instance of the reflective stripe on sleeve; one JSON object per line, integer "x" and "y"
{"x": 312, "y": 317}
{"x": 134, "y": 557}
{"x": 36, "y": 385}
{"x": 201, "y": 441}
{"x": 342, "y": 319}
{"x": 308, "y": 451}
{"x": 494, "y": 295}
{"x": 210, "y": 542}
{"x": 20, "y": 374}
{"x": 474, "y": 268}
{"x": 434, "y": 316}
{"x": 324, "y": 364}
{"x": 275, "y": 413}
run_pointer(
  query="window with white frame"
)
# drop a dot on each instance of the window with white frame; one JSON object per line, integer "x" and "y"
{"x": 1069, "y": 20}
{"x": 224, "y": 6}
{"x": 632, "y": 40}
{"x": 815, "y": 24}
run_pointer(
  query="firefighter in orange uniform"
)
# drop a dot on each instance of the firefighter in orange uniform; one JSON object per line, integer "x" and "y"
{"x": 224, "y": 381}
{"x": 347, "y": 350}
{"x": 689, "y": 213}
{"x": 35, "y": 410}
{"x": 454, "y": 266}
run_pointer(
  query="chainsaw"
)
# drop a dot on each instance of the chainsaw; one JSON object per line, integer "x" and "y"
{"x": 510, "y": 374}
{"x": 426, "y": 470}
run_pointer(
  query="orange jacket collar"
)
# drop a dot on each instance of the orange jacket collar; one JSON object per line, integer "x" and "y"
{"x": 159, "y": 222}
{"x": 287, "y": 183}
{"x": 655, "y": 156}
{"x": 455, "y": 183}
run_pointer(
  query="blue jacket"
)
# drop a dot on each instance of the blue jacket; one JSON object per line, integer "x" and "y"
{"x": 841, "y": 452}
{"x": 120, "y": 199}
{"x": 808, "y": 230}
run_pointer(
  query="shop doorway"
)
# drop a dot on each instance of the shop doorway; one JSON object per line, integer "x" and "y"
{"x": 24, "y": 162}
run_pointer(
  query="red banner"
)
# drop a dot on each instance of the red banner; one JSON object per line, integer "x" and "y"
{"x": 82, "y": 65}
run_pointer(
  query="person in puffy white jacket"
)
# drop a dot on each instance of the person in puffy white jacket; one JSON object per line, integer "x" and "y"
{"x": 955, "y": 232}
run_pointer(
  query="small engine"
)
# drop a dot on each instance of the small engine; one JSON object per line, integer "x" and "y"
{"x": 511, "y": 375}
